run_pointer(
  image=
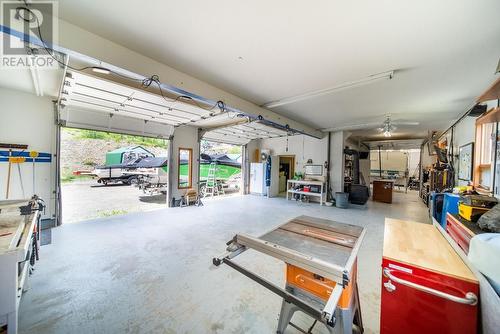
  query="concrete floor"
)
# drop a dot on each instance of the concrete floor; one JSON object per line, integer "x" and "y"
{"x": 151, "y": 272}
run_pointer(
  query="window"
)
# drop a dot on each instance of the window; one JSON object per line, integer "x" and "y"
{"x": 185, "y": 171}
{"x": 485, "y": 155}
{"x": 486, "y": 144}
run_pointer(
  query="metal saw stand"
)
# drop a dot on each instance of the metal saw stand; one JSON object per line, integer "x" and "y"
{"x": 324, "y": 254}
{"x": 344, "y": 317}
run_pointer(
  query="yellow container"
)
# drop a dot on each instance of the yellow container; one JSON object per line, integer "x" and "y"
{"x": 471, "y": 213}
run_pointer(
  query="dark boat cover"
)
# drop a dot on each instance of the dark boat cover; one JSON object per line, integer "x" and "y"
{"x": 221, "y": 159}
{"x": 148, "y": 162}
{"x": 157, "y": 162}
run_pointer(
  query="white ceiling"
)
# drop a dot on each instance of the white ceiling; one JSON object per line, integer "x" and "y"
{"x": 22, "y": 79}
{"x": 444, "y": 52}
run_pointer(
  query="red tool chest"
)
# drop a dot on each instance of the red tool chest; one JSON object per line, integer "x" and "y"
{"x": 426, "y": 287}
{"x": 461, "y": 231}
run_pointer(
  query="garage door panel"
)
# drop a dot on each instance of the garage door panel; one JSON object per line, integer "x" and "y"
{"x": 99, "y": 94}
{"x": 220, "y": 138}
{"x": 241, "y": 134}
{"x": 82, "y": 92}
{"x": 101, "y": 121}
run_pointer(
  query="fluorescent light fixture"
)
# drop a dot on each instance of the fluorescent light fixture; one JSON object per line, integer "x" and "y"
{"x": 37, "y": 82}
{"x": 346, "y": 85}
{"x": 101, "y": 70}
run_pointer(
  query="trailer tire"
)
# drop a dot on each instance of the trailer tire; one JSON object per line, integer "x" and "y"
{"x": 203, "y": 189}
{"x": 133, "y": 180}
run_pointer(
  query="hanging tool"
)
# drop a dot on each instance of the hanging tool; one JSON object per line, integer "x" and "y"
{"x": 20, "y": 177}
{"x": 8, "y": 175}
{"x": 12, "y": 159}
{"x": 33, "y": 155}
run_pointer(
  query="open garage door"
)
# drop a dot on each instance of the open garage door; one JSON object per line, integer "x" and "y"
{"x": 242, "y": 133}
{"x": 94, "y": 103}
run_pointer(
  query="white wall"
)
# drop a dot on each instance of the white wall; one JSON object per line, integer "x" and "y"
{"x": 28, "y": 119}
{"x": 303, "y": 147}
{"x": 247, "y": 159}
{"x": 427, "y": 159}
{"x": 463, "y": 133}
{"x": 184, "y": 137}
{"x": 391, "y": 160}
{"x": 306, "y": 147}
{"x": 337, "y": 161}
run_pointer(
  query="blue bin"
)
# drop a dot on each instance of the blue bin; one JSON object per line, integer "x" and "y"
{"x": 436, "y": 205}
{"x": 450, "y": 204}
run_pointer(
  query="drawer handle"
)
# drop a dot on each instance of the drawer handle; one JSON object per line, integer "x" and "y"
{"x": 470, "y": 298}
{"x": 389, "y": 286}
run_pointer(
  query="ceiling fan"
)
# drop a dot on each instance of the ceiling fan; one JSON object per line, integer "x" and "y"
{"x": 386, "y": 127}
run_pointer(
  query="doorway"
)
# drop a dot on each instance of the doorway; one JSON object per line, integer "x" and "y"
{"x": 220, "y": 169}
{"x": 286, "y": 171}
{"x": 100, "y": 175}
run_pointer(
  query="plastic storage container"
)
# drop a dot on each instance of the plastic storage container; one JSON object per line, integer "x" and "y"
{"x": 341, "y": 200}
{"x": 450, "y": 204}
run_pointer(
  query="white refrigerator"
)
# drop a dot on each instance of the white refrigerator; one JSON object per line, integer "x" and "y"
{"x": 258, "y": 178}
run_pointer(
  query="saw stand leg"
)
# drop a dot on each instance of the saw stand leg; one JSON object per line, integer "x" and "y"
{"x": 286, "y": 314}
{"x": 348, "y": 320}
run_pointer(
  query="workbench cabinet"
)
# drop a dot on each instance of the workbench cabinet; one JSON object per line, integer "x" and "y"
{"x": 426, "y": 287}
{"x": 17, "y": 241}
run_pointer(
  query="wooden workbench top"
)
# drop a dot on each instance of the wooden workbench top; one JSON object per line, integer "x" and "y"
{"x": 11, "y": 228}
{"x": 422, "y": 245}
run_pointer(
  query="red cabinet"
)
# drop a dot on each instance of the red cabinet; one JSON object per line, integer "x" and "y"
{"x": 426, "y": 287}
{"x": 461, "y": 231}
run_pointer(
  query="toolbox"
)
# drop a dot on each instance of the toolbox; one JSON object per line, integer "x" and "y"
{"x": 315, "y": 188}
{"x": 426, "y": 287}
{"x": 471, "y": 213}
{"x": 479, "y": 201}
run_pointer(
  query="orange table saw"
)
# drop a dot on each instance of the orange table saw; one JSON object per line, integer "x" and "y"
{"x": 321, "y": 270}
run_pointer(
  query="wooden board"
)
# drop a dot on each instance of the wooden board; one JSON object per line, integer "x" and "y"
{"x": 422, "y": 245}
{"x": 321, "y": 234}
{"x": 12, "y": 206}
{"x": 492, "y": 93}
{"x": 11, "y": 228}
{"x": 326, "y": 240}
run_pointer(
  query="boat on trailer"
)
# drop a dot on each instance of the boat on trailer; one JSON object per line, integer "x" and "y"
{"x": 152, "y": 175}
